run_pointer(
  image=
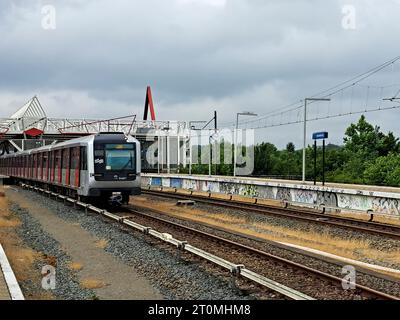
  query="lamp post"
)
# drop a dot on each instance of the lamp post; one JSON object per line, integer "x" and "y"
{"x": 192, "y": 127}
{"x": 246, "y": 113}
{"x": 305, "y": 132}
{"x": 213, "y": 137}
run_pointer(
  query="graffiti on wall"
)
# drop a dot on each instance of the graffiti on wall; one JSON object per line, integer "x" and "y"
{"x": 266, "y": 192}
{"x": 304, "y": 196}
{"x": 283, "y": 194}
{"x": 166, "y": 182}
{"x": 354, "y": 202}
{"x": 249, "y": 190}
{"x": 176, "y": 183}
{"x": 210, "y": 186}
{"x": 229, "y": 188}
{"x": 327, "y": 198}
{"x": 191, "y": 185}
{"x": 156, "y": 181}
{"x": 357, "y": 202}
{"x": 386, "y": 206}
{"x": 145, "y": 181}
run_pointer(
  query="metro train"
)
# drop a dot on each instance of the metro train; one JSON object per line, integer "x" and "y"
{"x": 102, "y": 166}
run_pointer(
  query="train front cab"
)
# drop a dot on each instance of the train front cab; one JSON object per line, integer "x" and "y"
{"x": 116, "y": 167}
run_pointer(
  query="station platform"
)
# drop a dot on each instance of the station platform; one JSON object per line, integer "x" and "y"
{"x": 4, "y": 294}
{"x": 330, "y": 185}
{"x": 378, "y": 200}
{"x": 9, "y": 288}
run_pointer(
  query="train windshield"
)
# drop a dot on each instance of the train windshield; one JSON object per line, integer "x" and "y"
{"x": 120, "y": 156}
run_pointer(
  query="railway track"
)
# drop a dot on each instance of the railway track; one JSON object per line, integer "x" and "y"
{"x": 315, "y": 283}
{"x": 269, "y": 288}
{"x": 289, "y": 279}
{"x": 376, "y": 228}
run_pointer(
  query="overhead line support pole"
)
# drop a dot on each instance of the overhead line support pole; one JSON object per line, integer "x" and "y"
{"x": 305, "y": 133}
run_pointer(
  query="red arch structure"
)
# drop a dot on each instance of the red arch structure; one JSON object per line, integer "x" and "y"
{"x": 149, "y": 104}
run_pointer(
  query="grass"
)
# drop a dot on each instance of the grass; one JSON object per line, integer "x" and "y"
{"x": 22, "y": 258}
{"x": 348, "y": 248}
{"x": 6, "y": 219}
{"x": 102, "y": 243}
{"x": 9, "y": 223}
{"x": 92, "y": 284}
{"x": 75, "y": 266}
{"x": 365, "y": 217}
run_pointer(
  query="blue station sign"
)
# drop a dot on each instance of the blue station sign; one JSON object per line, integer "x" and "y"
{"x": 320, "y": 135}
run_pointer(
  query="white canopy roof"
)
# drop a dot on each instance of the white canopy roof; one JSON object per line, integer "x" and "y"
{"x": 31, "y": 109}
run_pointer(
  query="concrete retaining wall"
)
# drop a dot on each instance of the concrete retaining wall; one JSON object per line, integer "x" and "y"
{"x": 384, "y": 203}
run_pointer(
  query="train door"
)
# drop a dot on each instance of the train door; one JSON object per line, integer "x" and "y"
{"x": 21, "y": 165}
{"x": 45, "y": 164}
{"x": 25, "y": 166}
{"x": 58, "y": 166}
{"x": 17, "y": 165}
{"x": 51, "y": 166}
{"x": 30, "y": 166}
{"x": 40, "y": 166}
{"x": 37, "y": 175}
{"x": 74, "y": 171}
{"x": 65, "y": 165}
{"x": 83, "y": 172}
{"x": 34, "y": 166}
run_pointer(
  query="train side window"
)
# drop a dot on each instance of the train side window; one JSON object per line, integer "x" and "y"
{"x": 83, "y": 158}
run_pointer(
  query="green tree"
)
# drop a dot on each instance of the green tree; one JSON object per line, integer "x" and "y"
{"x": 290, "y": 148}
{"x": 387, "y": 143}
{"x": 362, "y": 139}
{"x": 368, "y": 141}
{"x": 265, "y": 158}
{"x": 384, "y": 170}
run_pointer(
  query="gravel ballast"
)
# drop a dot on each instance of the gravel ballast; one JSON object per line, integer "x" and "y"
{"x": 172, "y": 276}
{"x": 368, "y": 279}
{"x": 67, "y": 285}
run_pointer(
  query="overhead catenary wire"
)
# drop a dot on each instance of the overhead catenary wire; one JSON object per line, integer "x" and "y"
{"x": 342, "y": 114}
{"x": 327, "y": 93}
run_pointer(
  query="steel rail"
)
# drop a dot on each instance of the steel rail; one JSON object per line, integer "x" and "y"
{"x": 337, "y": 280}
{"x": 303, "y": 215}
{"x": 235, "y": 269}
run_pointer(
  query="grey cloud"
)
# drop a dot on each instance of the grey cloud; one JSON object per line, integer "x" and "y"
{"x": 246, "y": 55}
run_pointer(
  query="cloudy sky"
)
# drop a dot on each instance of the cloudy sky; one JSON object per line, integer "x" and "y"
{"x": 198, "y": 56}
